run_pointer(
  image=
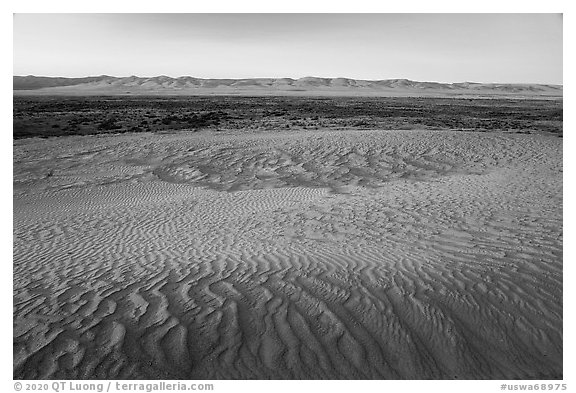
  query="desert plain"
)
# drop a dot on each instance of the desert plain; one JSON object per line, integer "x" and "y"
{"x": 258, "y": 238}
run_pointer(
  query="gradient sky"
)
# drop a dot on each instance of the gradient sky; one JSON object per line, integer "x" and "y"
{"x": 507, "y": 48}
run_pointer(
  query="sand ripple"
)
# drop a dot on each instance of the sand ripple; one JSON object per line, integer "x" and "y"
{"x": 352, "y": 254}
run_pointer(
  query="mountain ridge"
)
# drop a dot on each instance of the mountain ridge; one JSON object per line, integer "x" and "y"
{"x": 188, "y": 85}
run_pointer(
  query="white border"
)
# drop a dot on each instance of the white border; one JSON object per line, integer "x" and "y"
{"x": 231, "y": 6}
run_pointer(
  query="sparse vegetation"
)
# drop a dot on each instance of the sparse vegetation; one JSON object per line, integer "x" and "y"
{"x": 58, "y": 116}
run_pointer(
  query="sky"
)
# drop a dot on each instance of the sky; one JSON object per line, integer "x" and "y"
{"x": 489, "y": 48}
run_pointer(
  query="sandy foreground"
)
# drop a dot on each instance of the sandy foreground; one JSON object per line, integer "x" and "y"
{"x": 317, "y": 254}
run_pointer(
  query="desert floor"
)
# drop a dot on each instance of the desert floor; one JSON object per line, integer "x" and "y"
{"x": 296, "y": 254}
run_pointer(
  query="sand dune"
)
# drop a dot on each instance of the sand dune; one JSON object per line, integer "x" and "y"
{"x": 325, "y": 254}
{"x": 307, "y": 86}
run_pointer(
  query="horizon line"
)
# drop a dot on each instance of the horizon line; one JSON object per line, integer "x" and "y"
{"x": 286, "y": 77}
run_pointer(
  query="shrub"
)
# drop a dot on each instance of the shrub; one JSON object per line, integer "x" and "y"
{"x": 109, "y": 124}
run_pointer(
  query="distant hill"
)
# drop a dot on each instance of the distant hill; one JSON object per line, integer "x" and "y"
{"x": 313, "y": 86}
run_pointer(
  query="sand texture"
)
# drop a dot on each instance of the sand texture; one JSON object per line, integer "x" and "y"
{"x": 298, "y": 254}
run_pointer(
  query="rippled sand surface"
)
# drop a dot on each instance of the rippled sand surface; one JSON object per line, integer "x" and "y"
{"x": 327, "y": 254}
